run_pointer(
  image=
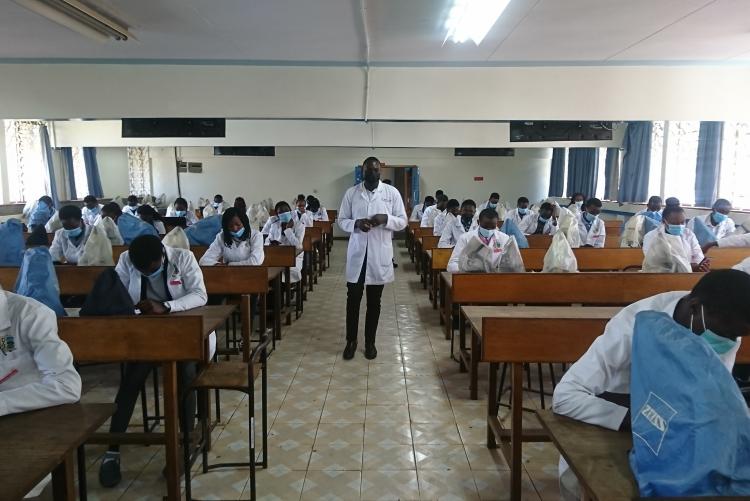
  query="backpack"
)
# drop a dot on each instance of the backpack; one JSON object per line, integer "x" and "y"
{"x": 511, "y": 229}
{"x": 11, "y": 249}
{"x": 204, "y": 231}
{"x": 132, "y": 227}
{"x": 108, "y": 296}
{"x": 702, "y": 232}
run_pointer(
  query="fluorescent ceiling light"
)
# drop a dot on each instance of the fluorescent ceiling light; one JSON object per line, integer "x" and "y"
{"x": 80, "y": 18}
{"x": 472, "y": 19}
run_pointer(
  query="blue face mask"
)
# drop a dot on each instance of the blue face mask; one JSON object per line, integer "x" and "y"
{"x": 543, "y": 219}
{"x": 156, "y": 273}
{"x": 490, "y": 205}
{"x": 523, "y": 212}
{"x": 590, "y": 218}
{"x": 675, "y": 229}
{"x": 42, "y": 205}
{"x": 180, "y": 213}
{"x": 719, "y": 217}
{"x": 579, "y": 203}
{"x": 74, "y": 233}
{"x": 285, "y": 217}
{"x": 216, "y": 205}
{"x": 719, "y": 344}
{"x": 484, "y": 232}
{"x": 238, "y": 234}
{"x": 653, "y": 214}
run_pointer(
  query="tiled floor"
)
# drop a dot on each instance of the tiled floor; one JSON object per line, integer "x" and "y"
{"x": 399, "y": 427}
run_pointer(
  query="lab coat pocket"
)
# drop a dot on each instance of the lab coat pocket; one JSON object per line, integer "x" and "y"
{"x": 13, "y": 365}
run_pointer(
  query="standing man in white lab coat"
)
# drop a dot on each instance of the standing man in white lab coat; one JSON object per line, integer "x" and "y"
{"x": 370, "y": 212}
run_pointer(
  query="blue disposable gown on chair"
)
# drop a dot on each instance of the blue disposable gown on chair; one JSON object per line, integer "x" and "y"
{"x": 37, "y": 279}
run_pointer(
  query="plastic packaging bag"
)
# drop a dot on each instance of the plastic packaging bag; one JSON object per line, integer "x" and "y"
{"x": 511, "y": 229}
{"x": 110, "y": 229}
{"x": 118, "y": 201}
{"x": 560, "y": 258}
{"x": 511, "y": 260}
{"x": 132, "y": 227}
{"x": 176, "y": 239}
{"x": 702, "y": 232}
{"x": 649, "y": 225}
{"x": 666, "y": 255}
{"x": 204, "y": 231}
{"x": 37, "y": 279}
{"x": 475, "y": 257}
{"x": 569, "y": 227}
{"x": 54, "y": 223}
{"x": 632, "y": 234}
{"x": 690, "y": 424}
{"x": 40, "y": 214}
{"x": 11, "y": 243}
{"x": 209, "y": 211}
{"x": 97, "y": 251}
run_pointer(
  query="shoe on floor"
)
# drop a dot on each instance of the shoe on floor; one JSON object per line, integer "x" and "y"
{"x": 370, "y": 352}
{"x": 350, "y": 350}
{"x": 109, "y": 471}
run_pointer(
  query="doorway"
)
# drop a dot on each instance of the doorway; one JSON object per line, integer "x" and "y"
{"x": 405, "y": 179}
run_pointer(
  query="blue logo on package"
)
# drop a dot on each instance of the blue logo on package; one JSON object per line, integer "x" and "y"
{"x": 652, "y": 422}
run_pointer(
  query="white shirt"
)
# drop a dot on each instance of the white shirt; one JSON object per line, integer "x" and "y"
{"x": 428, "y": 217}
{"x": 453, "y": 230}
{"x": 416, "y": 213}
{"x": 133, "y": 211}
{"x": 247, "y": 252}
{"x": 550, "y": 227}
{"x": 306, "y": 218}
{"x": 361, "y": 203}
{"x": 742, "y": 240}
{"x": 320, "y": 215}
{"x": 291, "y": 236}
{"x": 594, "y": 236}
{"x": 210, "y": 210}
{"x": 89, "y": 215}
{"x": 525, "y": 223}
{"x": 45, "y": 374}
{"x": 496, "y": 245}
{"x": 485, "y": 205}
{"x": 721, "y": 230}
{"x": 689, "y": 243}
{"x": 190, "y": 217}
{"x": 111, "y": 229}
{"x": 439, "y": 223}
{"x": 63, "y": 249}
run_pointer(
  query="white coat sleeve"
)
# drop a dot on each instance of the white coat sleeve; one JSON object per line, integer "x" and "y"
{"x": 452, "y": 266}
{"x": 192, "y": 278}
{"x": 345, "y": 218}
{"x": 257, "y": 254}
{"x": 424, "y": 223}
{"x": 742, "y": 240}
{"x": 696, "y": 253}
{"x": 56, "y": 250}
{"x": 446, "y": 239}
{"x": 296, "y": 236}
{"x": 267, "y": 227}
{"x": 214, "y": 252}
{"x": 397, "y": 220}
{"x": 122, "y": 269}
{"x": 60, "y": 383}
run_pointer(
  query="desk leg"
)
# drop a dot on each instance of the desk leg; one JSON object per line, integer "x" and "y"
{"x": 474, "y": 359}
{"x": 461, "y": 342}
{"x": 288, "y": 295}
{"x": 172, "y": 452}
{"x": 516, "y": 430}
{"x": 435, "y": 278}
{"x": 277, "y": 307}
{"x": 63, "y": 486}
{"x": 492, "y": 405}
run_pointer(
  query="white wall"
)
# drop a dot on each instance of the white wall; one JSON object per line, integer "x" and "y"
{"x": 113, "y": 169}
{"x": 4, "y": 192}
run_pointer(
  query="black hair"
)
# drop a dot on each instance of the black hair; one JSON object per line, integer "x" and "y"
{"x": 180, "y": 200}
{"x": 489, "y": 214}
{"x": 725, "y": 292}
{"x": 430, "y": 199}
{"x": 370, "y": 160}
{"x": 593, "y": 202}
{"x": 228, "y": 215}
{"x": 132, "y": 198}
{"x": 452, "y": 204}
{"x": 469, "y": 202}
{"x": 722, "y": 202}
{"x": 220, "y": 197}
{"x": 301, "y": 196}
{"x": 438, "y": 193}
{"x": 546, "y": 205}
{"x": 146, "y": 209}
{"x": 47, "y": 199}
{"x": 442, "y": 198}
{"x": 577, "y": 194}
{"x": 655, "y": 199}
{"x": 669, "y": 210}
{"x": 38, "y": 237}
{"x": 144, "y": 250}
{"x": 242, "y": 200}
{"x": 672, "y": 201}
{"x": 313, "y": 204}
{"x": 112, "y": 208}
{"x": 522, "y": 200}
{"x": 495, "y": 195}
{"x": 388, "y": 182}
{"x": 89, "y": 198}
{"x": 70, "y": 211}
{"x": 281, "y": 204}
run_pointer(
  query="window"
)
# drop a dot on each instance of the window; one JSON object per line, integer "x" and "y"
{"x": 734, "y": 176}
{"x": 682, "y": 154}
{"x": 28, "y": 178}
{"x": 601, "y": 177}
{"x": 79, "y": 173}
{"x": 657, "y": 152}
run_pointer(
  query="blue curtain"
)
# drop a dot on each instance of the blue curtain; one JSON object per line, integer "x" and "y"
{"x": 636, "y": 163}
{"x": 67, "y": 155}
{"x": 611, "y": 173}
{"x": 49, "y": 164}
{"x": 557, "y": 173}
{"x": 92, "y": 172}
{"x": 583, "y": 168}
{"x": 708, "y": 163}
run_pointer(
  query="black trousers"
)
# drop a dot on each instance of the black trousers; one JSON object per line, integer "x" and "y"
{"x": 354, "y": 298}
{"x": 134, "y": 377}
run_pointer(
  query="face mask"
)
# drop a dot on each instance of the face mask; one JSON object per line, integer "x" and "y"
{"x": 490, "y": 205}
{"x": 590, "y": 218}
{"x": 238, "y": 234}
{"x": 675, "y": 229}
{"x": 466, "y": 220}
{"x": 483, "y": 232}
{"x": 720, "y": 345}
{"x": 216, "y": 205}
{"x": 523, "y": 212}
{"x": 94, "y": 210}
{"x": 74, "y": 233}
{"x": 719, "y": 217}
{"x": 654, "y": 214}
{"x": 180, "y": 213}
{"x": 371, "y": 177}
{"x": 156, "y": 273}
{"x": 543, "y": 219}
{"x": 285, "y": 217}
{"x": 42, "y": 205}
{"x": 579, "y": 204}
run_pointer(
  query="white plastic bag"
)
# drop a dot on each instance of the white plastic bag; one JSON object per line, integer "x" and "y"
{"x": 160, "y": 200}
{"x": 569, "y": 227}
{"x": 176, "y": 239}
{"x": 118, "y": 201}
{"x": 632, "y": 234}
{"x": 111, "y": 230}
{"x": 54, "y": 223}
{"x": 203, "y": 202}
{"x": 666, "y": 255}
{"x": 97, "y": 251}
{"x": 511, "y": 260}
{"x": 475, "y": 257}
{"x": 560, "y": 257}
{"x": 209, "y": 211}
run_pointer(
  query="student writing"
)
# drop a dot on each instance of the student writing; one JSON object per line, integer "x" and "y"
{"x": 237, "y": 244}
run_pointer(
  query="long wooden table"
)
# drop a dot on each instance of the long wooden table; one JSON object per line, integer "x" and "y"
{"x": 45, "y": 441}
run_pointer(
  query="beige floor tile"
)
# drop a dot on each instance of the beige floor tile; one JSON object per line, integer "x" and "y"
{"x": 335, "y": 456}
{"x": 495, "y": 486}
{"x": 276, "y": 484}
{"x": 481, "y": 458}
{"x": 389, "y": 485}
{"x": 430, "y": 413}
{"x": 343, "y": 412}
{"x": 388, "y": 432}
{"x": 220, "y": 484}
{"x": 387, "y": 413}
{"x": 389, "y": 396}
{"x": 388, "y": 456}
{"x": 447, "y": 485}
{"x": 332, "y": 485}
{"x": 441, "y": 457}
{"x": 435, "y": 433}
{"x": 340, "y": 433}
{"x": 356, "y": 397}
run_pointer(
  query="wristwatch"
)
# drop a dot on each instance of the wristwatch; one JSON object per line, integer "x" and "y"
{"x": 167, "y": 307}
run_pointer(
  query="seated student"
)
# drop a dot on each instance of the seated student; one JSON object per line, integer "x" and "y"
{"x": 237, "y": 244}
{"x": 596, "y": 389}
{"x": 42, "y": 212}
{"x": 91, "y": 209}
{"x": 240, "y": 205}
{"x": 282, "y": 230}
{"x": 159, "y": 280}
{"x": 149, "y": 215}
{"x": 456, "y": 224}
{"x": 488, "y": 233}
{"x": 180, "y": 209}
{"x": 736, "y": 240}
{"x": 301, "y": 214}
{"x": 418, "y": 211}
{"x": 110, "y": 210}
{"x": 672, "y": 202}
{"x": 36, "y": 367}
{"x": 673, "y": 223}
{"x": 452, "y": 209}
{"x": 523, "y": 216}
{"x": 315, "y": 210}
{"x": 718, "y": 220}
{"x": 491, "y": 203}
{"x": 132, "y": 206}
{"x": 218, "y": 206}
{"x": 544, "y": 223}
{"x": 590, "y": 225}
{"x": 576, "y": 202}
{"x": 652, "y": 210}
{"x": 428, "y": 218}
{"x": 68, "y": 243}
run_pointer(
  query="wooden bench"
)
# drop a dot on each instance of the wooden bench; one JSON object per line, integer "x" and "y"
{"x": 409, "y": 240}
{"x": 438, "y": 263}
{"x": 418, "y": 234}
{"x": 539, "y": 241}
{"x": 326, "y": 227}
{"x": 311, "y": 245}
{"x": 332, "y": 215}
{"x": 426, "y": 243}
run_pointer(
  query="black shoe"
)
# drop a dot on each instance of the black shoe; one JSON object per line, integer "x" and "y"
{"x": 370, "y": 351}
{"x": 109, "y": 471}
{"x": 350, "y": 350}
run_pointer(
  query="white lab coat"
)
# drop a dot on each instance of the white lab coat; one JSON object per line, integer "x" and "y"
{"x": 453, "y": 230}
{"x": 497, "y": 244}
{"x": 294, "y": 236}
{"x": 416, "y": 213}
{"x": 593, "y": 237}
{"x": 526, "y": 223}
{"x": 741, "y": 240}
{"x": 428, "y": 217}
{"x": 44, "y": 374}
{"x": 550, "y": 227}
{"x": 247, "y": 252}
{"x": 89, "y": 215}
{"x": 190, "y": 217}
{"x": 63, "y": 249}
{"x": 439, "y": 223}
{"x": 306, "y": 218}
{"x": 689, "y": 243}
{"x": 360, "y": 203}
{"x": 210, "y": 210}
{"x": 485, "y": 205}
{"x": 721, "y": 230}
{"x": 605, "y": 367}
{"x": 320, "y": 215}
{"x": 133, "y": 211}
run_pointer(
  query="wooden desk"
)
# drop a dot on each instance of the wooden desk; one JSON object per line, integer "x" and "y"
{"x": 197, "y": 250}
{"x": 181, "y": 337}
{"x": 589, "y": 259}
{"x": 284, "y": 256}
{"x": 45, "y": 441}
{"x": 438, "y": 263}
{"x": 327, "y": 229}
{"x": 726, "y": 257}
{"x": 427, "y": 243}
{"x": 519, "y": 335}
{"x": 332, "y": 215}
{"x": 311, "y": 243}
{"x": 539, "y": 241}
{"x": 418, "y": 234}
{"x": 410, "y": 227}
